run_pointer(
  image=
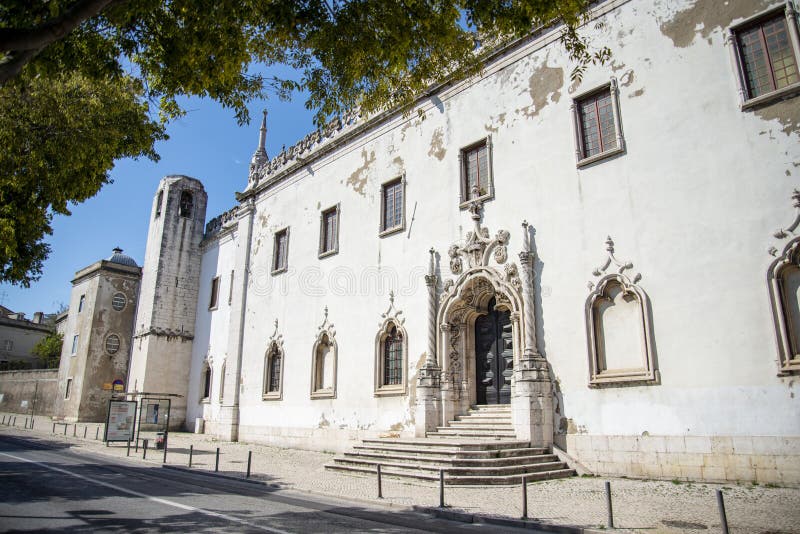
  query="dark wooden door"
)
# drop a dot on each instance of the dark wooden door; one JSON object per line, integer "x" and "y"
{"x": 494, "y": 356}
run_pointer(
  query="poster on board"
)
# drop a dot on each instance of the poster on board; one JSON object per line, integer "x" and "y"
{"x": 121, "y": 419}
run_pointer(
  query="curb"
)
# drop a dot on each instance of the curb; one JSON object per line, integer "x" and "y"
{"x": 466, "y": 517}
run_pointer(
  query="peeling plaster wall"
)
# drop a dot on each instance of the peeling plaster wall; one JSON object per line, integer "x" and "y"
{"x": 693, "y": 202}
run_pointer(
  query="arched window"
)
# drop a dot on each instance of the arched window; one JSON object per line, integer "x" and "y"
{"x": 206, "y": 383}
{"x": 323, "y": 380}
{"x": 273, "y": 373}
{"x": 186, "y": 205}
{"x": 222, "y": 382}
{"x": 390, "y": 360}
{"x": 784, "y": 292}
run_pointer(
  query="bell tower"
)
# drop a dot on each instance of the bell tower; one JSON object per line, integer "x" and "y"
{"x": 165, "y": 318}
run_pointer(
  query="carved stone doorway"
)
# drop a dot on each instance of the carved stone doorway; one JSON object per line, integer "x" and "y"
{"x": 494, "y": 356}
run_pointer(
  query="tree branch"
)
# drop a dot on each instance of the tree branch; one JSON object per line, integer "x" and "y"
{"x": 14, "y": 39}
{"x": 11, "y": 68}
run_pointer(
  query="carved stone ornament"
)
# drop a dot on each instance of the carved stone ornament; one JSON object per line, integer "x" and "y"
{"x": 392, "y": 313}
{"x": 478, "y": 246}
{"x": 326, "y": 327}
{"x": 276, "y": 338}
{"x": 612, "y": 260}
{"x": 512, "y": 276}
{"x": 783, "y": 233}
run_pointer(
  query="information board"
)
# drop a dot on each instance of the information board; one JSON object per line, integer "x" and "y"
{"x": 121, "y": 419}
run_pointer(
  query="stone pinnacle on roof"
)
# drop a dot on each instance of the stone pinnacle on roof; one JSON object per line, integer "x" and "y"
{"x": 260, "y": 155}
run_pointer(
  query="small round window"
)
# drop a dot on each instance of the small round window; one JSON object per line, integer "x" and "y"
{"x": 119, "y": 301}
{"x": 112, "y": 344}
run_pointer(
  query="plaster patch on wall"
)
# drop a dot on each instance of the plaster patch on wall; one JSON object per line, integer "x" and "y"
{"x": 437, "y": 148}
{"x": 626, "y": 79}
{"x": 358, "y": 180}
{"x": 544, "y": 86}
{"x": 786, "y": 112}
{"x": 495, "y": 122}
{"x": 323, "y": 423}
{"x": 636, "y": 93}
{"x": 704, "y": 18}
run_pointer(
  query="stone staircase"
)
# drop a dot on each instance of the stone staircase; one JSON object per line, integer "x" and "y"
{"x": 479, "y": 448}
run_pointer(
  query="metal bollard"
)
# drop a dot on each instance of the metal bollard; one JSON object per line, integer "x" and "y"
{"x": 74, "y": 431}
{"x": 144, "y": 450}
{"x": 249, "y": 460}
{"x": 608, "y": 505}
{"x": 128, "y": 453}
{"x": 191, "y": 450}
{"x": 96, "y": 433}
{"x": 722, "y": 517}
{"x": 524, "y": 497}
{"x": 65, "y": 428}
{"x": 216, "y": 463}
{"x": 15, "y": 421}
{"x": 26, "y": 422}
{"x": 54, "y": 428}
{"x": 85, "y": 428}
{"x": 441, "y": 488}
{"x": 380, "y": 482}
{"x": 32, "y": 420}
{"x": 165, "y": 453}
{"x": 4, "y": 419}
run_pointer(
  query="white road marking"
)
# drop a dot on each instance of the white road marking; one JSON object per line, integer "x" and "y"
{"x": 148, "y": 497}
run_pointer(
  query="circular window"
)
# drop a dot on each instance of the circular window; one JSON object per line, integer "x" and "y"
{"x": 112, "y": 344}
{"x": 119, "y": 301}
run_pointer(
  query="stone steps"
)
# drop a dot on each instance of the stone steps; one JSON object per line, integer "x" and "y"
{"x": 479, "y": 448}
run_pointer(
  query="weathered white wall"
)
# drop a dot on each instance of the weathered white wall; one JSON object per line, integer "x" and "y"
{"x": 692, "y": 202}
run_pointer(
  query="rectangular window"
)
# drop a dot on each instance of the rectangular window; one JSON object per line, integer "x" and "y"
{"x": 768, "y": 61}
{"x": 230, "y": 290}
{"x": 280, "y": 254}
{"x": 68, "y": 388}
{"x": 74, "y": 344}
{"x": 213, "y": 301}
{"x": 392, "y": 206}
{"x": 475, "y": 171}
{"x": 81, "y": 302}
{"x": 598, "y": 132}
{"x": 329, "y": 232}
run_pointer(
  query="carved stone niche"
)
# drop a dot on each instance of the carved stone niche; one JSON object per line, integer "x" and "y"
{"x": 783, "y": 279}
{"x": 618, "y": 329}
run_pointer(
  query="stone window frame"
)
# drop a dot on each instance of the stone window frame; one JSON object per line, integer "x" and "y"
{"x": 213, "y": 300}
{"x": 81, "y": 303}
{"x": 75, "y": 343}
{"x": 119, "y": 297}
{"x": 108, "y": 338}
{"x": 206, "y": 382}
{"x": 598, "y": 376}
{"x": 230, "y": 289}
{"x": 464, "y": 200}
{"x": 384, "y": 230}
{"x": 159, "y": 200}
{"x": 317, "y": 392}
{"x": 68, "y": 387}
{"x": 381, "y": 389}
{"x": 222, "y": 381}
{"x": 788, "y": 360}
{"x": 745, "y": 102}
{"x": 613, "y": 89}
{"x": 275, "y": 348}
{"x": 336, "y": 211}
{"x": 276, "y": 268}
{"x": 186, "y": 208}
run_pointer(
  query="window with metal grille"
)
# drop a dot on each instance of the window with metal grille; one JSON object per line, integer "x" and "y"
{"x": 767, "y": 57}
{"x": 598, "y": 133}
{"x": 274, "y": 371}
{"x": 207, "y": 382}
{"x": 392, "y": 205}
{"x": 281, "y": 251}
{"x": 118, "y": 301}
{"x": 475, "y": 171}
{"x": 329, "y": 231}
{"x": 393, "y": 358}
{"x": 112, "y": 344}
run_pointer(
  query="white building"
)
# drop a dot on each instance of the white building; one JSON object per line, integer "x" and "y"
{"x": 645, "y": 319}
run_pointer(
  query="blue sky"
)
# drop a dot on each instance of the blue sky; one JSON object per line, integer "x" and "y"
{"x": 206, "y": 144}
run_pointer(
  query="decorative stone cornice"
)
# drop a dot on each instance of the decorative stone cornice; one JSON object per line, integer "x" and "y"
{"x": 164, "y": 332}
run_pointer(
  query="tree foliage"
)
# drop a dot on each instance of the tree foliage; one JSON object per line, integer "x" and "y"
{"x": 84, "y": 82}
{"x": 48, "y": 350}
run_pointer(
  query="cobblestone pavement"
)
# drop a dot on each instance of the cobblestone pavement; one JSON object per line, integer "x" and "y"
{"x": 639, "y": 505}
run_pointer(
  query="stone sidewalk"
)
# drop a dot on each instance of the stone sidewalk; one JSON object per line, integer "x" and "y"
{"x": 639, "y": 505}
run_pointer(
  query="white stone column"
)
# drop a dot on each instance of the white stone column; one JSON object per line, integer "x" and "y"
{"x": 229, "y": 411}
{"x": 532, "y": 404}
{"x": 428, "y": 413}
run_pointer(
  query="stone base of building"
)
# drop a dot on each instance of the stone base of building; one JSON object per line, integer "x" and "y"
{"x": 335, "y": 440}
{"x": 759, "y": 459}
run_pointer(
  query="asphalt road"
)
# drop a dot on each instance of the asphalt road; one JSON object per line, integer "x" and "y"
{"x": 47, "y": 489}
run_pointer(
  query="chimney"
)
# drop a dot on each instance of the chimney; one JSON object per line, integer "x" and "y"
{"x": 37, "y": 317}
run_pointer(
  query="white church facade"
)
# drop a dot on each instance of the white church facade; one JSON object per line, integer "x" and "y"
{"x": 615, "y": 258}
